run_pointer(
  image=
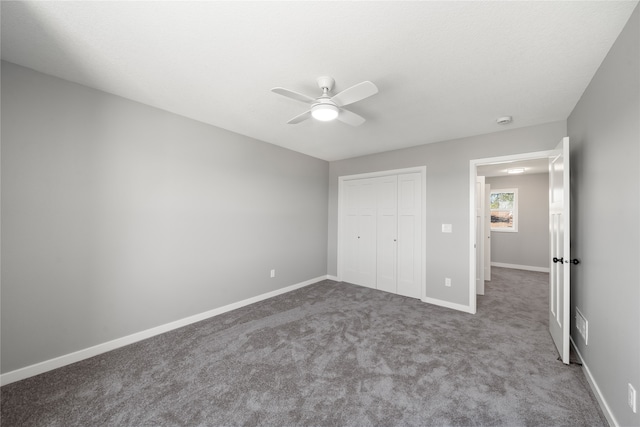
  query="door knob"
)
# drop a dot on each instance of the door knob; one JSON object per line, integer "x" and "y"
{"x": 560, "y": 260}
{"x": 575, "y": 261}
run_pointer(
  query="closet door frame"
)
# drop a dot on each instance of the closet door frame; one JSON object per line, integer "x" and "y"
{"x": 423, "y": 177}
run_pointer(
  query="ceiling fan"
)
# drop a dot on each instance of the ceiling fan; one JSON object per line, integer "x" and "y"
{"x": 326, "y": 107}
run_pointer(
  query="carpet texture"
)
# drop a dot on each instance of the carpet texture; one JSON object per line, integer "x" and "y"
{"x": 329, "y": 354}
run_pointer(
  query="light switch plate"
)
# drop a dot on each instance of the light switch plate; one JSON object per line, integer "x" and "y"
{"x": 447, "y": 228}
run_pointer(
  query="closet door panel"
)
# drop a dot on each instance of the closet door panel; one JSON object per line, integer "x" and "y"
{"x": 408, "y": 281}
{"x": 387, "y": 223}
{"x": 350, "y": 270}
{"x": 409, "y": 232}
{"x": 367, "y": 251}
{"x": 351, "y": 197}
{"x": 367, "y": 232}
{"x": 350, "y": 244}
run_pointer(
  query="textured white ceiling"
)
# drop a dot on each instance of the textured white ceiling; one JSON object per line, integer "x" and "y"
{"x": 444, "y": 69}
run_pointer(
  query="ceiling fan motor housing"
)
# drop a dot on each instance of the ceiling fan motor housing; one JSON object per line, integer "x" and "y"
{"x": 326, "y": 82}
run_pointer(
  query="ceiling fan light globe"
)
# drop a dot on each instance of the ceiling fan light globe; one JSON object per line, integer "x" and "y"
{"x": 324, "y": 112}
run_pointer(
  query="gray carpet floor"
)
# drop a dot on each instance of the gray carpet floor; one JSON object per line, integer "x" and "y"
{"x": 329, "y": 354}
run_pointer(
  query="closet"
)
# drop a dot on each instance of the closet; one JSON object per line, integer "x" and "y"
{"x": 381, "y": 232}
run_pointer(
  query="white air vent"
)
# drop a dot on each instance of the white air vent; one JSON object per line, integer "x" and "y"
{"x": 582, "y": 325}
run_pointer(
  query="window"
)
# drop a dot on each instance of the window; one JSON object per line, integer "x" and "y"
{"x": 504, "y": 210}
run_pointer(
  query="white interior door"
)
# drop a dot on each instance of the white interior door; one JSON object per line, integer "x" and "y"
{"x": 559, "y": 237}
{"x": 479, "y": 235}
{"x": 387, "y": 249}
{"x": 487, "y": 232}
{"x": 409, "y": 232}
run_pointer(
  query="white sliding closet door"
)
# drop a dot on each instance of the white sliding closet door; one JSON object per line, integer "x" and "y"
{"x": 387, "y": 248}
{"x": 409, "y": 232}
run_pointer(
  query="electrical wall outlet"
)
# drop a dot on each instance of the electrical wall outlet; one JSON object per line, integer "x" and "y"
{"x": 447, "y": 282}
{"x": 631, "y": 396}
{"x": 273, "y": 273}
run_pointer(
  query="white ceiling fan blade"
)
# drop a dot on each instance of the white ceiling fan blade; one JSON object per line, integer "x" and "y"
{"x": 293, "y": 95}
{"x": 299, "y": 118}
{"x": 355, "y": 93}
{"x": 350, "y": 118}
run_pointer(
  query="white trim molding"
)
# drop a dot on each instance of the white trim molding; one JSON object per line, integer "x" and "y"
{"x": 77, "y": 356}
{"x": 604, "y": 406}
{"x": 520, "y": 267}
{"x": 451, "y": 305}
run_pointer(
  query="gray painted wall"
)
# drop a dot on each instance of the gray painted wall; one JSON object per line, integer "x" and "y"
{"x": 604, "y": 129}
{"x": 447, "y": 193}
{"x": 530, "y": 245}
{"x": 118, "y": 217}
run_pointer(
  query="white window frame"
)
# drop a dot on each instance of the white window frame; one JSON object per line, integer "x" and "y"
{"x": 514, "y": 212}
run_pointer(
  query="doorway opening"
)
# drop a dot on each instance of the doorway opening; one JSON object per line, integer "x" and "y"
{"x": 480, "y": 231}
{"x": 559, "y": 237}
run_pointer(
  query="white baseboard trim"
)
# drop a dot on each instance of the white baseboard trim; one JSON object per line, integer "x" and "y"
{"x": 334, "y": 278}
{"x": 520, "y": 267}
{"x": 67, "y": 359}
{"x": 596, "y": 390}
{"x": 447, "y": 304}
